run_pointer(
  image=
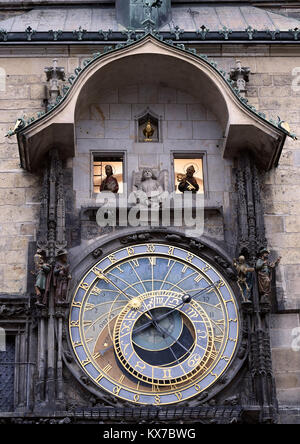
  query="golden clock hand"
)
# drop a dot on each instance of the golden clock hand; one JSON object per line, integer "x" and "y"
{"x": 101, "y": 275}
{"x": 105, "y": 350}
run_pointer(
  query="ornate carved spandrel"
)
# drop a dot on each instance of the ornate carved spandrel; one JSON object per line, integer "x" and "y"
{"x": 251, "y": 227}
{"x": 60, "y": 208}
{"x": 42, "y": 234}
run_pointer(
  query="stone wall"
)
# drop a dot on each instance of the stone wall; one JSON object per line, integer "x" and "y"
{"x": 274, "y": 90}
{"x": 22, "y": 94}
{"x": 106, "y": 124}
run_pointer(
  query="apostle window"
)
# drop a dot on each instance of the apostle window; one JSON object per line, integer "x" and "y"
{"x": 108, "y": 173}
{"x": 188, "y": 174}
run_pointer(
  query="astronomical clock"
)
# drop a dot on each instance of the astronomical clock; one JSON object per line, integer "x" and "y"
{"x": 154, "y": 324}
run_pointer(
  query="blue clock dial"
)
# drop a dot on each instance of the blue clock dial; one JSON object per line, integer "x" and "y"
{"x": 154, "y": 324}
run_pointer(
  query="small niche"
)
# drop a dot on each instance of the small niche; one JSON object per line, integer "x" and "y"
{"x": 148, "y": 127}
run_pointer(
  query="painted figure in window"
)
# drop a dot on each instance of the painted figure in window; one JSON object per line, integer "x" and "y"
{"x": 264, "y": 270}
{"x": 61, "y": 278}
{"x": 110, "y": 183}
{"x": 42, "y": 278}
{"x": 187, "y": 182}
{"x": 244, "y": 273}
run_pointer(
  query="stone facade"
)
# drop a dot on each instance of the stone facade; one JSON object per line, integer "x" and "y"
{"x": 107, "y": 121}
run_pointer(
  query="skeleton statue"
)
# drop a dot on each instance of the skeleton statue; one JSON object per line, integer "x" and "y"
{"x": 61, "y": 278}
{"x": 244, "y": 281}
{"x": 264, "y": 274}
{"x": 42, "y": 278}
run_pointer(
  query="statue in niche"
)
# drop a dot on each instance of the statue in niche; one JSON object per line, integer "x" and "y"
{"x": 61, "y": 278}
{"x": 244, "y": 273}
{"x": 150, "y": 188}
{"x": 110, "y": 183}
{"x": 148, "y": 132}
{"x": 42, "y": 278}
{"x": 264, "y": 274}
{"x": 187, "y": 182}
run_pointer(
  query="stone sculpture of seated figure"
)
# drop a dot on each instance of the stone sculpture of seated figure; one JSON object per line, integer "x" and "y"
{"x": 149, "y": 188}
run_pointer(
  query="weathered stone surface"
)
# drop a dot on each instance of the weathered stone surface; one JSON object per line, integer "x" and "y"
{"x": 284, "y": 321}
{"x": 292, "y": 224}
{"x": 289, "y": 396}
{"x": 274, "y": 224}
{"x": 283, "y": 355}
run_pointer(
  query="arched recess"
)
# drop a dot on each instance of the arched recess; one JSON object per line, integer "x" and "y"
{"x": 243, "y": 130}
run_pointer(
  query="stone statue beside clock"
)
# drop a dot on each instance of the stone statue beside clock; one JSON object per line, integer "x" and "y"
{"x": 264, "y": 269}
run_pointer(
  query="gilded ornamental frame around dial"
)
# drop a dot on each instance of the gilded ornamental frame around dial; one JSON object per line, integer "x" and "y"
{"x": 207, "y": 252}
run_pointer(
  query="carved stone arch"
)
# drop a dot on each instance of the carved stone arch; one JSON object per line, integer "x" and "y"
{"x": 243, "y": 129}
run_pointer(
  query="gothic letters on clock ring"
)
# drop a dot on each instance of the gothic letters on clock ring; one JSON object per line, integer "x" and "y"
{"x": 154, "y": 324}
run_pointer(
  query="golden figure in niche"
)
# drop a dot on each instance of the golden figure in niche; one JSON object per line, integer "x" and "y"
{"x": 148, "y": 131}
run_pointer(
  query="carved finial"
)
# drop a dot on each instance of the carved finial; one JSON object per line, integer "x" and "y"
{"x": 295, "y": 32}
{"x": 29, "y": 32}
{"x": 240, "y": 75}
{"x": 225, "y": 32}
{"x": 3, "y": 35}
{"x": 79, "y": 33}
{"x": 273, "y": 33}
{"x": 177, "y": 32}
{"x": 105, "y": 34}
{"x": 54, "y": 73}
{"x": 55, "y": 34}
{"x": 202, "y": 32}
{"x": 250, "y": 31}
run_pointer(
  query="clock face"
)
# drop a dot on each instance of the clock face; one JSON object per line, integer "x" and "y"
{"x": 154, "y": 324}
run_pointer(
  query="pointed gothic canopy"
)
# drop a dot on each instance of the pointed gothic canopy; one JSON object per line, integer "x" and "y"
{"x": 151, "y": 59}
